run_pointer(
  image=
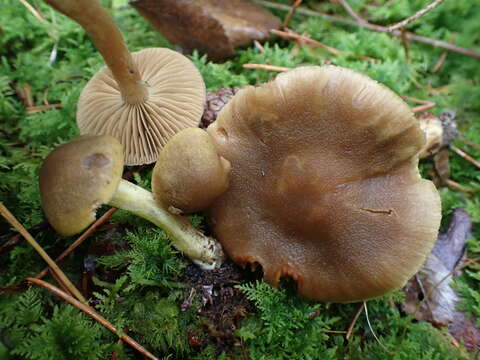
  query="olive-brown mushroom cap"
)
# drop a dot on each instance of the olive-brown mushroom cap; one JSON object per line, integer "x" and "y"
{"x": 189, "y": 173}
{"x": 76, "y": 178}
{"x": 324, "y": 185}
{"x": 176, "y": 96}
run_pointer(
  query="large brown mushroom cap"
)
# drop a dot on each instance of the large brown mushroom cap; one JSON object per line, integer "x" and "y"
{"x": 76, "y": 178}
{"x": 324, "y": 185}
{"x": 176, "y": 96}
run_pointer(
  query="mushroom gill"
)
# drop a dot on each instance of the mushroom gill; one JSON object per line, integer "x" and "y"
{"x": 174, "y": 100}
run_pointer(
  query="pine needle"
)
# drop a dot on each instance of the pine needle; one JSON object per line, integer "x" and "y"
{"x": 94, "y": 315}
{"x": 61, "y": 276}
{"x": 80, "y": 240}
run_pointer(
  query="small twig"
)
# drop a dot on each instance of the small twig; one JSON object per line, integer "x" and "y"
{"x": 14, "y": 288}
{"x": 354, "y": 321}
{"x": 34, "y": 11}
{"x": 45, "y": 97}
{"x": 465, "y": 156}
{"x": 115, "y": 356}
{"x": 19, "y": 227}
{"x": 423, "y": 108}
{"x": 403, "y": 37}
{"x": 265, "y": 67}
{"x": 290, "y": 14}
{"x": 80, "y": 240}
{"x": 379, "y": 28}
{"x": 469, "y": 142}
{"x": 259, "y": 46}
{"x": 415, "y": 100}
{"x": 35, "y": 109}
{"x": 371, "y": 329}
{"x": 24, "y": 93}
{"x": 426, "y": 104}
{"x": 456, "y": 186}
{"x": 440, "y": 62}
{"x": 351, "y": 12}
{"x": 57, "y": 279}
{"x": 28, "y": 95}
{"x": 94, "y": 315}
{"x": 443, "y": 57}
{"x": 294, "y": 36}
{"x": 15, "y": 238}
{"x": 426, "y": 295}
{"x": 439, "y": 90}
{"x": 414, "y": 17}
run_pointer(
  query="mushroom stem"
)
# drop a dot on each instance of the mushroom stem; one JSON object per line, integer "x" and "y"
{"x": 108, "y": 40}
{"x": 203, "y": 250}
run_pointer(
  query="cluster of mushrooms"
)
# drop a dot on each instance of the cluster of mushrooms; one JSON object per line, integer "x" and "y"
{"x": 313, "y": 175}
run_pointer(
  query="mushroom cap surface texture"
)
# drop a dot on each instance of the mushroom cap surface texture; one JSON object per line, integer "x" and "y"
{"x": 176, "y": 97}
{"x": 189, "y": 173}
{"x": 324, "y": 186}
{"x": 76, "y": 178}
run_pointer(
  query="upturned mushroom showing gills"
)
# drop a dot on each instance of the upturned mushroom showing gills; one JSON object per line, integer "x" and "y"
{"x": 189, "y": 173}
{"x": 324, "y": 184}
{"x": 79, "y": 176}
{"x": 143, "y": 98}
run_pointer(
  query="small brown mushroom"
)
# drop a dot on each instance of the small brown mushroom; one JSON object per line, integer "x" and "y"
{"x": 324, "y": 186}
{"x": 143, "y": 98}
{"x": 79, "y": 176}
{"x": 189, "y": 173}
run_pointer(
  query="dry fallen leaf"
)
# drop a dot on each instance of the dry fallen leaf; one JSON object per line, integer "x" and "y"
{"x": 213, "y": 27}
{"x": 429, "y": 294}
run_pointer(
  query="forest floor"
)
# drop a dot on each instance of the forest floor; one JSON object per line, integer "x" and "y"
{"x": 127, "y": 267}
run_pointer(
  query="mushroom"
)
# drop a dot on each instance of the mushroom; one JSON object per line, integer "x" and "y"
{"x": 189, "y": 173}
{"x": 324, "y": 184}
{"x": 143, "y": 98}
{"x": 79, "y": 176}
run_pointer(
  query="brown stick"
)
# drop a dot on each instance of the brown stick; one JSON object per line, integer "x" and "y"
{"x": 34, "y": 11}
{"x": 415, "y": 16}
{"x": 258, "y": 46}
{"x": 458, "y": 187}
{"x": 379, "y": 28}
{"x": 35, "y": 109}
{"x": 424, "y": 107}
{"x": 294, "y": 36}
{"x": 465, "y": 156}
{"x": 94, "y": 315}
{"x": 426, "y": 104}
{"x": 403, "y": 37}
{"x": 19, "y": 227}
{"x": 440, "y": 62}
{"x": 80, "y": 240}
{"x": 290, "y": 14}
{"x": 15, "y": 238}
{"x": 469, "y": 142}
{"x": 265, "y": 67}
{"x": 352, "y": 13}
{"x": 354, "y": 321}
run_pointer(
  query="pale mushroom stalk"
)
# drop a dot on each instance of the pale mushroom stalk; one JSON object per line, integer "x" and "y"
{"x": 108, "y": 40}
{"x": 79, "y": 176}
{"x": 203, "y": 250}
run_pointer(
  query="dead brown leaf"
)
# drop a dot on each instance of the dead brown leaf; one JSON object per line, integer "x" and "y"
{"x": 213, "y": 27}
{"x": 429, "y": 294}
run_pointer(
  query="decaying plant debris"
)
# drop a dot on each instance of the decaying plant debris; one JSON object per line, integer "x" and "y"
{"x": 127, "y": 268}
